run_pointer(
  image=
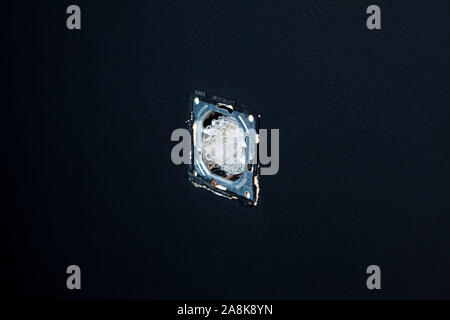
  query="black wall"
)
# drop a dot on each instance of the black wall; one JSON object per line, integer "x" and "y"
{"x": 364, "y": 149}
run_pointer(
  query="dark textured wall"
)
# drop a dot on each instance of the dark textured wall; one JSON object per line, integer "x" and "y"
{"x": 364, "y": 149}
